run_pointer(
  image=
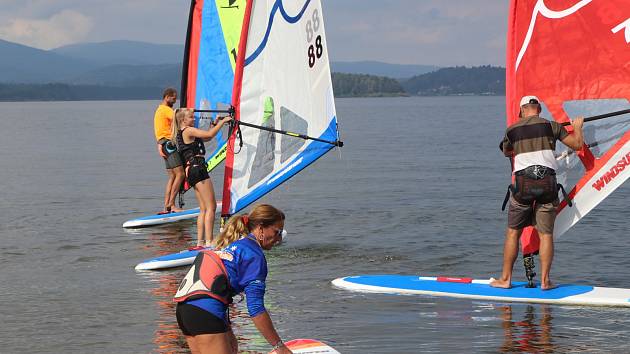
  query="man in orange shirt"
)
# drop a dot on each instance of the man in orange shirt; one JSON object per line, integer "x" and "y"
{"x": 162, "y": 123}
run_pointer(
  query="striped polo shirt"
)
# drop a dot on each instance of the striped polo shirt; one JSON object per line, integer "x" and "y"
{"x": 533, "y": 140}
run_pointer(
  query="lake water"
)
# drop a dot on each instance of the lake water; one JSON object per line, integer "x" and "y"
{"x": 416, "y": 190}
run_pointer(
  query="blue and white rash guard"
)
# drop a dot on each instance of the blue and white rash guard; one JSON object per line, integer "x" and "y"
{"x": 246, "y": 265}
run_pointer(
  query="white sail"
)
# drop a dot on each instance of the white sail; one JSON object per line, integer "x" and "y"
{"x": 282, "y": 82}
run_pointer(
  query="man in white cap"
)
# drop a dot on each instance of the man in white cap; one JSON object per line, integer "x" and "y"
{"x": 531, "y": 142}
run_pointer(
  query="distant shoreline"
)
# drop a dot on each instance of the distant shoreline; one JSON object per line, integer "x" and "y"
{"x": 456, "y": 81}
{"x": 157, "y": 100}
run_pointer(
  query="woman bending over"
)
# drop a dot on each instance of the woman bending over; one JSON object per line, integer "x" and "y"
{"x": 238, "y": 265}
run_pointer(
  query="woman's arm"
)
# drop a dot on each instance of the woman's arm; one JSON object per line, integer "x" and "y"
{"x": 206, "y": 135}
{"x": 265, "y": 327}
{"x": 255, "y": 294}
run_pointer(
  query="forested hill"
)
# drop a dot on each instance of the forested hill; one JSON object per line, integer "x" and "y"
{"x": 344, "y": 85}
{"x": 353, "y": 85}
{"x": 459, "y": 80}
{"x": 484, "y": 80}
{"x": 138, "y": 70}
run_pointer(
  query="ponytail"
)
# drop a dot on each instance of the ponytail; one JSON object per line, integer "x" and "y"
{"x": 239, "y": 226}
{"x": 175, "y": 125}
{"x": 235, "y": 229}
{"x": 180, "y": 113}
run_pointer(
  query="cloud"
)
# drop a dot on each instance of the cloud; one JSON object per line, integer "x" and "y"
{"x": 453, "y": 32}
{"x": 61, "y": 28}
{"x": 443, "y": 32}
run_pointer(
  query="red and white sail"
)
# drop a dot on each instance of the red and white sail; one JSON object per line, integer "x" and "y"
{"x": 575, "y": 56}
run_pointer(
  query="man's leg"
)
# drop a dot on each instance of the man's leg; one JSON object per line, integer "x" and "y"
{"x": 545, "y": 217}
{"x": 510, "y": 253}
{"x": 546, "y": 258}
{"x": 178, "y": 178}
{"x": 168, "y": 188}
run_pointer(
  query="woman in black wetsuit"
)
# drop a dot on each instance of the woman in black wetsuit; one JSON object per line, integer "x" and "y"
{"x": 190, "y": 145}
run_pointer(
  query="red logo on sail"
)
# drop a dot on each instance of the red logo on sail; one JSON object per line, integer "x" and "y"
{"x": 612, "y": 173}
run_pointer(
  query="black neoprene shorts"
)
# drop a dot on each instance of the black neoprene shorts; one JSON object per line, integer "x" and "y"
{"x": 193, "y": 320}
{"x": 197, "y": 173}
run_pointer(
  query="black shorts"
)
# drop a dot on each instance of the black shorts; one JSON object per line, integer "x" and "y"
{"x": 197, "y": 172}
{"x": 193, "y": 320}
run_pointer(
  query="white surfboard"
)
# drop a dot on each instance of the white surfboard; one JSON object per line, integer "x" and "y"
{"x": 178, "y": 259}
{"x": 565, "y": 294}
{"x": 173, "y": 260}
{"x": 160, "y": 219}
{"x": 309, "y": 346}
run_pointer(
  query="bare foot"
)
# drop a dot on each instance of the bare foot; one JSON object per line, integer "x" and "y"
{"x": 548, "y": 286}
{"x": 176, "y": 210}
{"x": 500, "y": 283}
{"x": 166, "y": 210}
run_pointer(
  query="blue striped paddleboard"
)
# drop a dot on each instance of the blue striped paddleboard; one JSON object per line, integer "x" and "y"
{"x": 177, "y": 259}
{"x": 565, "y": 294}
{"x": 160, "y": 219}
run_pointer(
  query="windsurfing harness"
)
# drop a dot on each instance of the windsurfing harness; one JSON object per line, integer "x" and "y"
{"x": 193, "y": 154}
{"x": 535, "y": 184}
{"x": 192, "y": 150}
{"x": 166, "y": 147}
{"x": 206, "y": 278}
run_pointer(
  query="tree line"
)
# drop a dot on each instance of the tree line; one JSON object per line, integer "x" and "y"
{"x": 66, "y": 92}
{"x": 459, "y": 80}
{"x": 482, "y": 80}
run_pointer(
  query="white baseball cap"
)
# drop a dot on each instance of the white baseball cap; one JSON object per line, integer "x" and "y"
{"x": 528, "y": 100}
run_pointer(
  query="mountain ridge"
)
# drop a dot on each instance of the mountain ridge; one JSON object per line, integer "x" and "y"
{"x": 76, "y": 63}
{"x": 106, "y": 70}
{"x": 123, "y": 52}
{"x": 24, "y": 64}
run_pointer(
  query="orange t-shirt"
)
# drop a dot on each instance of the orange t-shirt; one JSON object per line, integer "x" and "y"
{"x": 163, "y": 121}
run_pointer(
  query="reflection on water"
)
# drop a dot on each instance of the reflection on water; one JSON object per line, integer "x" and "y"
{"x": 404, "y": 210}
{"x": 528, "y": 332}
{"x": 168, "y": 338}
{"x": 244, "y": 329}
{"x": 165, "y": 240}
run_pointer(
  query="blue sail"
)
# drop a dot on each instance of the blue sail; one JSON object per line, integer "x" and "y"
{"x": 214, "y": 29}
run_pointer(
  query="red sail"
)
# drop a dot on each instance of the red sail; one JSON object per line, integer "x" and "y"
{"x": 567, "y": 51}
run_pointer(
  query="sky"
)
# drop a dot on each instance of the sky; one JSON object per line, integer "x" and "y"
{"x": 431, "y": 32}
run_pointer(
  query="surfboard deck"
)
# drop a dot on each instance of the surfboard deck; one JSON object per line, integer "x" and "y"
{"x": 172, "y": 260}
{"x": 177, "y": 259}
{"x": 160, "y": 219}
{"x": 565, "y": 294}
{"x": 309, "y": 346}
